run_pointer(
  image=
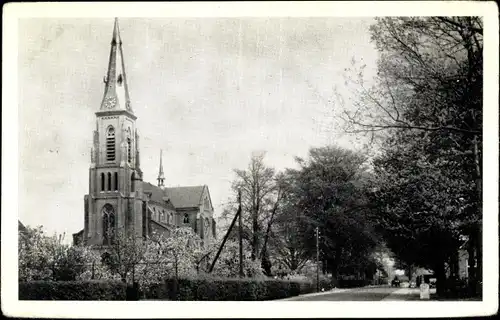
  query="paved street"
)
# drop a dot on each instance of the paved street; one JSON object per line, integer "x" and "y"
{"x": 371, "y": 293}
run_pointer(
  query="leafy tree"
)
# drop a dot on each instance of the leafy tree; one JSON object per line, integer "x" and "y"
{"x": 427, "y": 98}
{"x": 329, "y": 192}
{"x": 286, "y": 247}
{"x": 417, "y": 213}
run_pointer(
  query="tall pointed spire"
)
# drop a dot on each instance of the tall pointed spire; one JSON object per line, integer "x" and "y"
{"x": 116, "y": 95}
{"x": 161, "y": 176}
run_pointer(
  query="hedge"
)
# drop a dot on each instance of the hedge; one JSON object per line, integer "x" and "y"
{"x": 228, "y": 289}
{"x": 73, "y": 290}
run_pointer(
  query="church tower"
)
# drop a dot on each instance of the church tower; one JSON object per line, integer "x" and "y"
{"x": 115, "y": 200}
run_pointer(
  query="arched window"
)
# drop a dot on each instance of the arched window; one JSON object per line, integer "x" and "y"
{"x": 116, "y": 181}
{"x": 129, "y": 146}
{"x": 168, "y": 218}
{"x": 108, "y": 224}
{"x": 132, "y": 182}
{"x": 103, "y": 181}
{"x": 162, "y": 216}
{"x": 109, "y": 181}
{"x": 110, "y": 144}
{"x": 186, "y": 218}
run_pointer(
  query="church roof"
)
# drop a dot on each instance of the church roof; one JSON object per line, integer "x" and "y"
{"x": 21, "y": 228}
{"x": 185, "y": 197}
{"x": 180, "y": 197}
{"x": 157, "y": 194}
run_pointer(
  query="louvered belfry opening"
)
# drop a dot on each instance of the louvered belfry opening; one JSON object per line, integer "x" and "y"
{"x": 110, "y": 144}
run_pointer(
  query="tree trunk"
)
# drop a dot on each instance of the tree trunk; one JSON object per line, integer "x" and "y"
{"x": 255, "y": 235}
{"x": 440, "y": 278}
{"x": 294, "y": 263}
{"x": 266, "y": 237}
{"x": 266, "y": 263}
{"x": 479, "y": 269}
{"x": 471, "y": 250}
{"x": 176, "y": 269}
{"x": 335, "y": 264}
{"x": 478, "y": 235}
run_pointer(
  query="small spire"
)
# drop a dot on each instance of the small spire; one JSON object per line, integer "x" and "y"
{"x": 161, "y": 176}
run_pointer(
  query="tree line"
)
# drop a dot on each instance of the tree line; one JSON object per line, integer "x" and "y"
{"x": 419, "y": 195}
{"x": 425, "y": 109}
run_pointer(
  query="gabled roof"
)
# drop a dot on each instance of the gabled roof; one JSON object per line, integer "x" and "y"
{"x": 186, "y": 197}
{"x": 157, "y": 194}
{"x": 180, "y": 197}
{"x": 21, "y": 228}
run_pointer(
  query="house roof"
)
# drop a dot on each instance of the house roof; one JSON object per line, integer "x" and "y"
{"x": 185, "y": 197}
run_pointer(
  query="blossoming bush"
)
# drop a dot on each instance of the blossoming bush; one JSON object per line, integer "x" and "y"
{"x": 43, "y": 257}
{"x": 227, "y": 264}
{"x": 168, "y": 257}
{"x": 149, "y": 262}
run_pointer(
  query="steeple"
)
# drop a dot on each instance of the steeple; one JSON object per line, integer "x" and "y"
{"x": 161, "y": 176}
{"x": 116, "y": 95}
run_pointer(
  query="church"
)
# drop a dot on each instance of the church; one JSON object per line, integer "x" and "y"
{"x": 118, "y": 198}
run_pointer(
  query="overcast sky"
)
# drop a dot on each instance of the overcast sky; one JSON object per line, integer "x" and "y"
{"x": 204, "y": 92}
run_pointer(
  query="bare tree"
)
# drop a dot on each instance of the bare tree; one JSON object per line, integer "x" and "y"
{"x": 258, "y": 194}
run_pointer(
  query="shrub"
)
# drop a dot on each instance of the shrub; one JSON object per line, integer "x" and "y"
{"x": 72, "y": 290}
{"x": 228, "y": 289}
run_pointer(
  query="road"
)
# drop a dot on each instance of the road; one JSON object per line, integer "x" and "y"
{"x": 372, "y": 293}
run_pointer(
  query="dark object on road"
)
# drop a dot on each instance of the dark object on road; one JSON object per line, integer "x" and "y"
{"x": 395, "y": 283}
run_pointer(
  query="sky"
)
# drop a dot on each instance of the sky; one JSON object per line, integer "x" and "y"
{"x": 209, "y": 92}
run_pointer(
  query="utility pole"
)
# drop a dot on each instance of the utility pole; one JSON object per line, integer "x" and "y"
{"x": 240, "y": 236}
{"x": 317, "y": 259}
{"x": 224, "y": 240}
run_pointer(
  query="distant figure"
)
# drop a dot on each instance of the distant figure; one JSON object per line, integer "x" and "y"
{"x": 395, "y": 282}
